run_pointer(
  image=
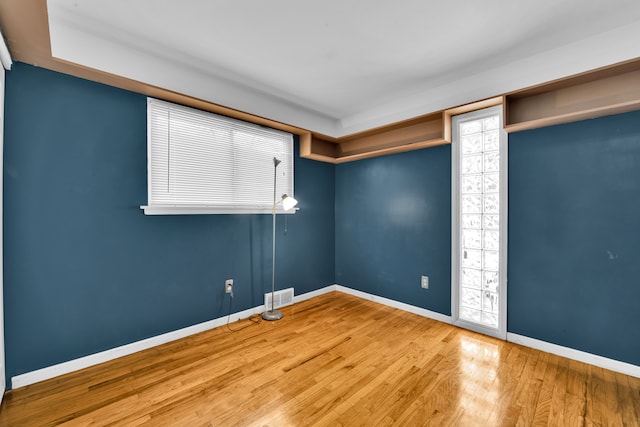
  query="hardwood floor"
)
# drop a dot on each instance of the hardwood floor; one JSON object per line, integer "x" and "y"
{"x": 332, "y": 360}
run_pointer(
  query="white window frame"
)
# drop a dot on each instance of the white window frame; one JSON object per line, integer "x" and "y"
{"x": 456, "y": 219}
{"x": 204, "y": 163}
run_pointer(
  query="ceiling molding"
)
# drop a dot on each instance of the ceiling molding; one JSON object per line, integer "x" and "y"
{"x": 595, "y": 52}
{"x": 91, "y": 46}
{"x": 56, "y": 41}
{"x": 26, "y": 29}
{"x": 135, "y": 67}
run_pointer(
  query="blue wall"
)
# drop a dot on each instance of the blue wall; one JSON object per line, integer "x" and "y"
{"x": 86, "y": 270}
{"x": 574, "y": 227}
{"x": 574, "y": 235}
{"x": 393, "y": 225}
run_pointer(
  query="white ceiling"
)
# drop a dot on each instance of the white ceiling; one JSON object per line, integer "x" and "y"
{"x": 342, "y": 66}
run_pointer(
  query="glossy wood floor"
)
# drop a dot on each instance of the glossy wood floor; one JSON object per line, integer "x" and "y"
{"x": 332, "y": 360}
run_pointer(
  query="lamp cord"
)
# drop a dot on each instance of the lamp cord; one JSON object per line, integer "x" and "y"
{"x": 254, "y": 318}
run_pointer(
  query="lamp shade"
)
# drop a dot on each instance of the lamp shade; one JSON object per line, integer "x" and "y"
{"x": 288, "y": 202}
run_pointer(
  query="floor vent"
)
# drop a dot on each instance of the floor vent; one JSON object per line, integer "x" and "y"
{"x": 280, "y": 298}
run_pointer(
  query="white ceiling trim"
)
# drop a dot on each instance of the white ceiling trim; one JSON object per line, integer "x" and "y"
{"x": 77, "y": 45}
{"x": 96, "y": 49}
{"x": 574, "y": 58}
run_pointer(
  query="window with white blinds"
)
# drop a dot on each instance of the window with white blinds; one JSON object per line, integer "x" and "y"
{"x": 200, "y": 162}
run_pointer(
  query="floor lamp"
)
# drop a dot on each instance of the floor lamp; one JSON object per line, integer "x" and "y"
{"x": 287, "y": 203}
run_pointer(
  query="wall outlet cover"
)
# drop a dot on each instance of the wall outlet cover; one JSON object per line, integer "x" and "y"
{"x": 425, "y": 282}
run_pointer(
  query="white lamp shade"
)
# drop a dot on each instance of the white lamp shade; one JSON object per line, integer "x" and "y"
{"x": 288, "y": 202}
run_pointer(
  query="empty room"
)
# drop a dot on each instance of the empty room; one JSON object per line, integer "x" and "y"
{"x": 338, "y": 213}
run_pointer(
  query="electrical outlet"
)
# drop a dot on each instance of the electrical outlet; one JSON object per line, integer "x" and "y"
{"x": 425, "y": 282}
{"x": 228, "y": 286}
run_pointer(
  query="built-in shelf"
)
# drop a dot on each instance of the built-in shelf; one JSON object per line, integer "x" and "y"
{"x": 610, "y": 90}
{"x": 421, "y": 132}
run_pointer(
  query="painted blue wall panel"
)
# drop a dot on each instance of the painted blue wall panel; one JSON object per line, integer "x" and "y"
{"x": 393, "y": 225}
{"x": 574, "y": 235}
{"x": 86, "y": 270}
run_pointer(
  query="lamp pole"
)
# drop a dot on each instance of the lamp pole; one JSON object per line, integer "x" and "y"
{"x": 273, "y": 314}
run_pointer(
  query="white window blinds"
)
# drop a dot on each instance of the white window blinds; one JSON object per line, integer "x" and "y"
{"x": 200, "y": 162}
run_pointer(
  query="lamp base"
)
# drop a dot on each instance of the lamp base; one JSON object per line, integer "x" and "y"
{"x": 272, "y": 315}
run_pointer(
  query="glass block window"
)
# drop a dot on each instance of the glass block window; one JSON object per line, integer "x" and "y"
{"x": 477, "y": 217}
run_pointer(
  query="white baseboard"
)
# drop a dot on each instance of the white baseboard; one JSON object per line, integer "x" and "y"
{"x": 380, "y": 300}
{"x": 313, "y": 294}
{"x": 580, "y": 356}
{"x": 113, "y": 353}
{"x": 396, "y": 304}
{"x": 569, "y": 353}
{"x": 104, "y": 356}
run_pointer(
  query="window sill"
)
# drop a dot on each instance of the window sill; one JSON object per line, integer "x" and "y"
{"x": 207, "y": 210}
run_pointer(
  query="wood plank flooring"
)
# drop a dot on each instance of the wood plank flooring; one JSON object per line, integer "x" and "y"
{"x": 334, "y": 360}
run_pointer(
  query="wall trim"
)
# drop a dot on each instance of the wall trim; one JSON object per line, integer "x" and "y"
{"x": 127, "y": 349}
{"x": 580, "y": 356}
{"x": 396, "y": 304}
{"x": 49, "y": 372}
{"x": 134, "y": 347}
{"x": 313, "y": 294}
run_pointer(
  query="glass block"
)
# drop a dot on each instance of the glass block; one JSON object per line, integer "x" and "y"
{"x": 491, "y": 182}
{"x": 471, "y": 278}
{"x": 491, "y": 141}
{"x": 480, "y": 221}
{"x": 472, "y": 258}
{"x": 471, "y": 143}
{"x": 491, "y": 123}
{"x": 491, "y": 239}
{"x": 470, "y": 314}
{"x": 489, "y": 302}
{"x": 491, "y": 260}
{"x": 491, "y": 162}
{"x": 471, "y": 204}
{"x": 471, "y": 298}
{"x": 490, "y": 319}
{"x": 491, "y": 221}
{"x": 471, "y": 221}
{"x": 471, "y": 164}
{"x": 492, "y": 203}
{"x": 472, "y": 184}
{"x": 467, "y": 128}
{"x": 471, "y": 239}
{"x": 490, "y": 281}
